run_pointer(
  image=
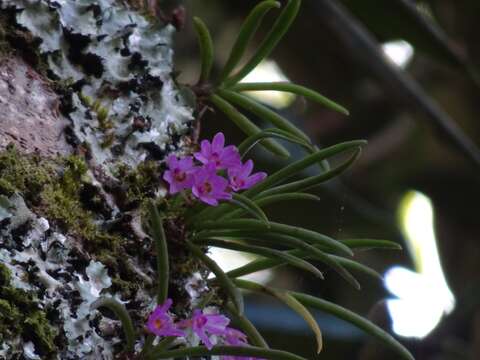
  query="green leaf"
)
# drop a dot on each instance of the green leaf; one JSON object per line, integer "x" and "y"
{"x": 252, "y": 351}
{"x": 252, "y": 140}
{"x": 274, "y": 227}
{"x": 249, "y": 206}
{"x": 263, "y": 264}
{"x": 278, "y": 30}
{"x": 122, "y": 314}
{"x": 222, "y": 278}
{"x": 291, "y": 302}
{"x": 247, "y": 126}
{"x": 254, "y": 336}
{"x": 315, "y": 252}
{"x": 371, "y": 244}
{"x": 161, "y": 250}
{"x": 271, "y": 239}
{"x": 275, "y": 240}
{"x": 354, "y": 319}
{"x": 272, "y": 199}
{"x": 268, "y": 200}
{"x": 291, "y": 88}
{"x": 262, "y": 112}
{"x": 310, "y": 182}
{"x": 263, "y": 251}
{"x": 248, "y": 29}
{"x": 301, "y": 310}
{"x": 355, "y": 266}
{"x": 296, "y": 167}
{"x": 283, "y": 174}
{"x": 339, "y": 312}
{"x": 206, "y": 48}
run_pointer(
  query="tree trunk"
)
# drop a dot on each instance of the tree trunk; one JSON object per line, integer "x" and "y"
{"x": 88, "y": 111}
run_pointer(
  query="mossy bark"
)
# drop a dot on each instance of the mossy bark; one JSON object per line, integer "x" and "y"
{"x": 71, "y": 214}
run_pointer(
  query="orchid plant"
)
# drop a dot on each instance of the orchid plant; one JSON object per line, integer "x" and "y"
{"x": 222, "y": 205}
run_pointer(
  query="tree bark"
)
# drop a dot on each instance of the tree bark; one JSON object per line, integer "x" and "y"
{"x": 88, "y": 112}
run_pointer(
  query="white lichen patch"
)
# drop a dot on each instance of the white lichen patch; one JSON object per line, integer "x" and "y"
{"x": 41, "y": 262}
{"x": 126, "y": 105}
{"x": 115, "y": 71}
{"x": 29, "y": 351}
{"x": 83, "y": 339}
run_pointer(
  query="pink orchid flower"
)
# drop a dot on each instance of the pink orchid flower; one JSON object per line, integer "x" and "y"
{"x": 208, "y": 186}
{"x": 215, "y": 152}
{"x": 240, "y": 178}
{"x": 204, "y": 325}
{"x": 234, "y": 337}
{"x": 161, "y": 323}
{"x": 180, "y": 173}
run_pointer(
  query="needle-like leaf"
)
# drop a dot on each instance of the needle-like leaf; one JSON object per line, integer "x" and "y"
{"x": 296, "y": 167}
{"x": 254, "y": 336}
{"x": 222, "y": 278}
{"x": 268, "y": 200}
{"x": 310, "y": 182}
{"x": 341, "y": 313}
{"x": 250, "y": 207}
{"x": 371, "y": 244}
{"x": 274, "y": 227}
{"x": 291, "y": 88}
{"x": 248, "y": 127}
{"x": 161, "y": 252}
{"x": 354, "y": 319}
{"x": 263, "y": 112}
{"x": 206, "y": 49}
{"x": 279, "y": 28}
{"x": 291, "y": 302}
{"x": 252, "y": 140}
{"x": 246, "y": 351}
{"x": 248, "y": 29}
{"x": 263, "y": 251}
{"x": 122, "y": 314}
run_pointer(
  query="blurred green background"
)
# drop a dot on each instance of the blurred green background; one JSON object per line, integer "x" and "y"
{"x": 408, "y": 72}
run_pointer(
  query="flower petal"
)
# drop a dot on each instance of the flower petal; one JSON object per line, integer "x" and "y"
{"x": 218, "y": 142}
{"x": 254, "y": 179}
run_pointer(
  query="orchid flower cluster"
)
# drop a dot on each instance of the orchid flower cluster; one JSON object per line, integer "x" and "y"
{"x": 201, "y": 324}
{"x": 204, "y": 179}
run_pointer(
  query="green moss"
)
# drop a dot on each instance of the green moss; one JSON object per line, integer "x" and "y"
{"x": 26, "y": 173}
{"x": 20, "y": 316}
{"x": 127, "y": 289}
{"x": 139, "y": 184}
{"x": 5, "y": 275}
{"x": 55, "y": 189}
{"x": 62, "y": 203}
{"x": 10, "y": 320}
{"x": 52, "y": 188}
{"x": 6, "y": 188}
{"x": 37, "y": 327}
